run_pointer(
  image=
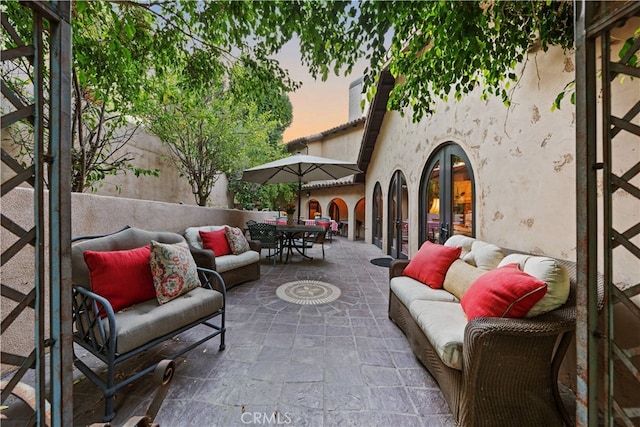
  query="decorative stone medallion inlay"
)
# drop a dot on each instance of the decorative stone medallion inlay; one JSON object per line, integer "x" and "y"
{"x": 308, "y": 292}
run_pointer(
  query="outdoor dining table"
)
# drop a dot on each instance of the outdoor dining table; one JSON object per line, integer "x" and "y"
{"x": 291, "y": 234}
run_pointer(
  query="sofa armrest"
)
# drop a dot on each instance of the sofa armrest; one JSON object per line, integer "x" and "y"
{"x": 90, "y": 331}
{"x": 505, "y": 336}
{"x": 397, "y": 267}
{"x": 511, "y": 360}
{"x": 205, "y": 258}
{"x": 211, "y": 279}
{"x": 255, "y": 245}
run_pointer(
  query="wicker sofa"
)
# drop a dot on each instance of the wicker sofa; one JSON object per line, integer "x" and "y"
{"x": 234, "y": 269}
{"x": 98, "y": 308}
{"x": 492, "y": 371}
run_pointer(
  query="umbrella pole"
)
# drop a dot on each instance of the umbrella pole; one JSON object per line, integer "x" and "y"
{"x": 299, "y": 196}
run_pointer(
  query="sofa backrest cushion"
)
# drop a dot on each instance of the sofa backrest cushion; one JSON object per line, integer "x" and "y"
{"x": 460, "y": 276}
{"x": 130, "y": 238}
{"x": 192, "y": 235}
{"x": 216, "y": 241}
{"x": 506, "y": 291}
{"x": 483, "y": 255}
{"x": 173, "y": 269}
{"x": 122, "y": 277}
{"x": 550, "y": 271}
{"x": 431, "y": 263}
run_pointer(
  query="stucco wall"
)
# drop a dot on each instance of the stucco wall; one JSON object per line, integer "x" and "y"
{"x": 342, "y": 145}
{"x": 350, "y": 194}
{"x": 523, "y": 159}
{"x": 148, "y": 152}
{"x": 93, "y": 214}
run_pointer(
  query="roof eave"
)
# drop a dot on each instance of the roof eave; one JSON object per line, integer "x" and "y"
{"x": 373, "y": 123}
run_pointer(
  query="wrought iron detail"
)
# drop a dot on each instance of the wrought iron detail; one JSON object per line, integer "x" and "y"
{"x": 620, "y": 139}
{"x": 24, "y": 303}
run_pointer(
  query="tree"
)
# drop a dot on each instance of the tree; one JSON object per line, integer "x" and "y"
{"x": 210, "y": 132}
{"x": 438, "y": 48}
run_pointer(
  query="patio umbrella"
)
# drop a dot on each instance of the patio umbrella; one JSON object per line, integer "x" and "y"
{"x": 298, "y": 168}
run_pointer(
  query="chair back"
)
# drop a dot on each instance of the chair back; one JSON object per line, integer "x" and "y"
{"x": 266, "y": 234}
{"x": 128, "y": 238}
{"x": 323, "y": 222}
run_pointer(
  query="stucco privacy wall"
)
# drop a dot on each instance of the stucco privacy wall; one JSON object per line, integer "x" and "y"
{"x": 523, "y": 160}
{"x": 93, "y": 214}
{"x": 148, "y": 152}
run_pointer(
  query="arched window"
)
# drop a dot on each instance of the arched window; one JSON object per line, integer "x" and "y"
{"x": 447, "y": 195}
{"x": 376, "y": 216}
{"x": 398, "y": 236}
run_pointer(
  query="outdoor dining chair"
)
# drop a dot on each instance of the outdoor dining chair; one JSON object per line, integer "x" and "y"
{"x": 267, "y": 235}
{"x": 326, "y": 223}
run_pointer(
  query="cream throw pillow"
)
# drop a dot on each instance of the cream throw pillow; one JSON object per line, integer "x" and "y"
{"x": 483, "y": 255}
{"x": 548, "y": 270}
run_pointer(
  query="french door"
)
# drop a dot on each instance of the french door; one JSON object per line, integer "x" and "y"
{"x": 377, "y": 216}
{"x": 398, "y": 217}
{"x": 447, "y": 196}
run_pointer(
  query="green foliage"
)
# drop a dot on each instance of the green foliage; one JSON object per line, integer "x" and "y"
{"x": 626, "y": 56}
{"x": 210, "y": 132}
{"x": 445, "y": 49}
{"x": 124, "y": 51}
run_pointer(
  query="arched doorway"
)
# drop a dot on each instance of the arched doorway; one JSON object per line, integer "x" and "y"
{"x": 376, "y": 216}
{"x": 359, "y": 216}
{"x": 398, "y": 216}
{"x": 334, "y": 209}
{"x": 313, "y": 208}
{"x": 447, "y": 195}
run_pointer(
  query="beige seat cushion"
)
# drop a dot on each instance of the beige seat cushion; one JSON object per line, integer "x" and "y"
{"x": 149, "y": 320}
{"x": 460, "y": 276}
{"x": 408, "y": 290}
{"x": 231, "y": 262}
{"x": 443, "y": 324}
{"x": 551, "y": 272}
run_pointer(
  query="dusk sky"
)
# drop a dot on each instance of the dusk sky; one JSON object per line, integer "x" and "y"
{"x": 317, "y": 105}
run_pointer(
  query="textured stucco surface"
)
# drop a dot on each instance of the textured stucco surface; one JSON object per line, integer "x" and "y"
{"x": 148, "y": 152}
{"x": 523, "y": 159}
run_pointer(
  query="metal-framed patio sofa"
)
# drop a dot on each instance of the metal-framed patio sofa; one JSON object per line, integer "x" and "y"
{"x": 143, "y": 325}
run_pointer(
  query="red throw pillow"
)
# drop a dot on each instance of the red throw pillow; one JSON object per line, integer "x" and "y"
{"x": 431, "y": 263}
{"x": 122, "y": 277}
{"x": 506, "y": 291}
{"x": 216, "y": 241}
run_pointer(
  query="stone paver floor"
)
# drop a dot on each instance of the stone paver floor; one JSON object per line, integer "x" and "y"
{"x": 343, "y": 363}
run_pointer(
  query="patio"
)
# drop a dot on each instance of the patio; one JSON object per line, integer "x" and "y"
{"x": 339, "y": 363}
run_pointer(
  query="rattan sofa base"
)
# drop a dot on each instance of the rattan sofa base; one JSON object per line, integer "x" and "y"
{"x": 510, "y": 366}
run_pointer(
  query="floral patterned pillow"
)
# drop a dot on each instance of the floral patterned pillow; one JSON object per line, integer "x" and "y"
{"x": 173, "y": 270}
{"x": 237, "y": 241}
